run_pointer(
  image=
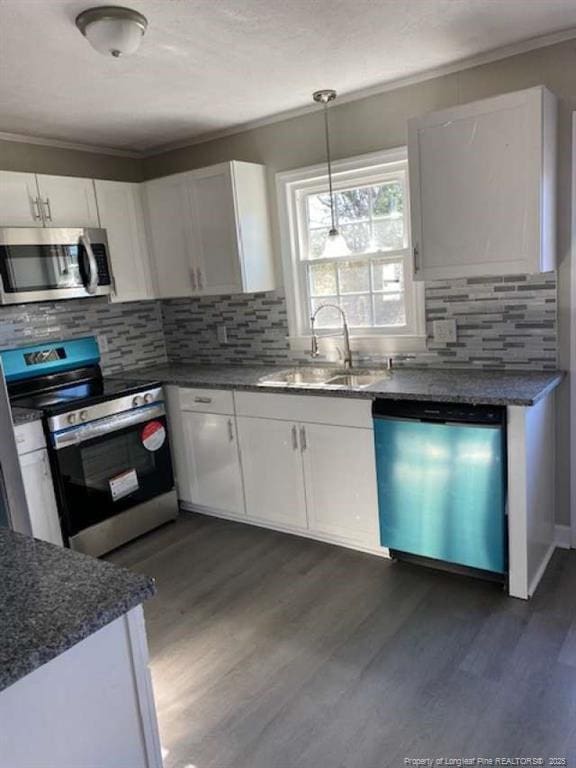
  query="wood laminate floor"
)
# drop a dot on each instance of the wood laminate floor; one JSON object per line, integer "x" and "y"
{"x": 271, "y": 651}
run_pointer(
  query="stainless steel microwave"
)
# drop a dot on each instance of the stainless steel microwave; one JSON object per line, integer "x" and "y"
{"x": 49, "y": 264}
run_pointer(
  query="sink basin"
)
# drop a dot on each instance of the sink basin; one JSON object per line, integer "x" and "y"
{"x": 324, "y": 378}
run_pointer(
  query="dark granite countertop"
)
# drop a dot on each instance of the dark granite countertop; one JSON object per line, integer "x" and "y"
{"x": 446, "y": 385}
{"x": 52, "y": 598}
{"x": 24, "y": 415}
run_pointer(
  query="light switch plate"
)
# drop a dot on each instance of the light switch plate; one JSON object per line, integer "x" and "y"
{"x": 102, "y": 342}
{"x": 444, "y": 331}
{"x": 222, "y": 334}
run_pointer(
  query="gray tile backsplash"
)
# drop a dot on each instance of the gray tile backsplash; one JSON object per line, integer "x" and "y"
{"x": 133, "y": 331}
{"x": 503, "y": 322}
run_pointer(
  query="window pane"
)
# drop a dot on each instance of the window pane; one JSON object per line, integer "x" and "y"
{"x": 322, "y": 279}
{"x": 358, "y": 310}
{"x": 354, "y": 277}
{"x": 388, "y": 234}
{"x": 316, "y": 243}
{"x": 329, "y": 317}
{"x": 387, "y": 276}
{"x": 357, "y": 236}
{"x": 352, "y": 204}
{"x": 388, "y": 199}
{"x": 318, "y": 207}
{"x": 389, "y": 309}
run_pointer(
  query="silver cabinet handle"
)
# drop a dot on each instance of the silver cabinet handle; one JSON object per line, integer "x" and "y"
{"x": 416, "y": 252}
{"x": 294, "y": 439}
{"x": 36, "y": 210}
{"x": 230, "y": 431}
{"x": 303, "y": 441}
{"x": 193, "y": 279}
{"x": 48, "y": 209}
{"x": 93, "y": 272}
{"x": 200, "y": 279}
{"x": 203, "y": 400}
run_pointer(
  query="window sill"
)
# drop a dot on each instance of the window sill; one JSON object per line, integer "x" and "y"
{"x": 331, "y": 345}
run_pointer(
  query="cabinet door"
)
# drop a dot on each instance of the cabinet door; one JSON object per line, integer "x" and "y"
{"x": 212, "y": 476}
{"x": 19, "y": 205}
{"x": 168, "y": 210}
{"x": 40, "y": 497}
{"x": 340, "y": 480}
{"x": 68, "y": 201}
{"x": 213, "y": 232}
{"x": 272, "y": 471}
{"x": 478, "y": 184}
{"x": 121, "y": 214}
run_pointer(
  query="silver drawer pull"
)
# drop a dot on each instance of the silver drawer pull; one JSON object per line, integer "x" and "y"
{"x": 294, "y": 439}
{"x": 203, "y": 400}
{"x": 230, "y": 431}
{"x": 303, "y": 442}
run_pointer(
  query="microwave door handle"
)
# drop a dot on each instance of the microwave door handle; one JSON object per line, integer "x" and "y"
{"x": 93, "y": 273}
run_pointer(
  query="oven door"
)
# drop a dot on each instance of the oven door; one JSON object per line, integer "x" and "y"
{"x": 52, "y": 264}
{"x": 104, "y": 468}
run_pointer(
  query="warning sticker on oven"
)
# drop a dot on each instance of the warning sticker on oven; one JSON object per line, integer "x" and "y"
{"x": 153, "y": 435}
{"x": 124, "y": 484}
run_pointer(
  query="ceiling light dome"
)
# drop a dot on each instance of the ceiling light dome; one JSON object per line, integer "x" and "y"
{"x": 112, "y": 30}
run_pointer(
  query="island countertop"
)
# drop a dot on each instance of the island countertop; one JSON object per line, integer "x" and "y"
{"x": 480, "y": 387}
{"x": 52, "y": 598}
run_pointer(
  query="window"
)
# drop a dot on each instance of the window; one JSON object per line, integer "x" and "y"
{"x": 373, "y": 282}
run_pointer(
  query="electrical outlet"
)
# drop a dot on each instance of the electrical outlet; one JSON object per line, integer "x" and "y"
{"x": 102, "y": 343}
{"x": 444, "y": 331}
{"x": 222, "y": 334}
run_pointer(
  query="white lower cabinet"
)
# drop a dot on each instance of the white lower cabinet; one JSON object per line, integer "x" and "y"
{"x": 340, "y": 481}
{"x": 212, "y": 477}
{"x": 272, "y": 470}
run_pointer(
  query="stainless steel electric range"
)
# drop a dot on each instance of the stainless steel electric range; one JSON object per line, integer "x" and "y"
{"x": 107, "y": 440}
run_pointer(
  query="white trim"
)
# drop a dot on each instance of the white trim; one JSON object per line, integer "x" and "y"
{"x": 294, "y": 531}
{"x": 563, "y": 536}
{"x": 532, "y": 44}
{"x": 572, "y": 459}
{"x": 533, "y": 586}
{"x": 21, "y": 138}
{"x": 288, "y": 184}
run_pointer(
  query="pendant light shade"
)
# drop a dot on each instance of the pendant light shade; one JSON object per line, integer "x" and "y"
{"x": 335, "y": 243}
{"x": 112, "y": 30}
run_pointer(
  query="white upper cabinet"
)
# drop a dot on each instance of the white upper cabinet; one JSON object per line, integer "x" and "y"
{"x": 67, "y": 201}
{"x": 31, "y": 200}
{"x": 210, "y": 231}
{"x": 19, "y": 200}
{"x": 121, "y": 214}
{"x": 482, "y": 187}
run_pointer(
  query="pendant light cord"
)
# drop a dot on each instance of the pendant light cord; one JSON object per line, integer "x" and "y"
{"x": 329, "y": 163}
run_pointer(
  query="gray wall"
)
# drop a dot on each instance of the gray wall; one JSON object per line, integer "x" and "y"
{"x": 36, "y": 158}
{"x": 379, "y": 122}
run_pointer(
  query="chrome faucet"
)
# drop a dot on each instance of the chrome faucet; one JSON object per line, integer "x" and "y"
{"x": 347, "y": 355}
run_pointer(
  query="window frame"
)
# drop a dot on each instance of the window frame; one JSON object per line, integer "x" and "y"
{"x": 292, "y": 187}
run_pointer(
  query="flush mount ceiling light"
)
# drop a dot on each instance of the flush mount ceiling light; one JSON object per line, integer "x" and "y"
{"x": 112, "y": 30}
{"x": 335, "y": 243}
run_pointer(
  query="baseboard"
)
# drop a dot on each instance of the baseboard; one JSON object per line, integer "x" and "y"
{"x": 358, "y": 547}
{"x": 563, "y": 536}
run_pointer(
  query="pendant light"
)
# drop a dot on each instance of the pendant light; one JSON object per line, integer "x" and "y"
{"x": 112, "y": 30}
{"x": 335, "y": 243}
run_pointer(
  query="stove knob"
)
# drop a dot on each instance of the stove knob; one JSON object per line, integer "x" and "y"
{"x": 138, "y": 400}
{"x": 148, "y": 397}
{"x": 71, "y": 418}
{"x": 83, "y": 415}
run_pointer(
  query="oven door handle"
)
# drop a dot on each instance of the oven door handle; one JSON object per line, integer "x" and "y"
{"x": 76, "y": 435}
{"x": 93, "y": 267}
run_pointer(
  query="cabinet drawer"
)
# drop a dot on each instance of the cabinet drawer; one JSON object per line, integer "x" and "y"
{"x": 29, "y": 437}
{"x": 315, "y": 409}
{"x": 207, "y": 400}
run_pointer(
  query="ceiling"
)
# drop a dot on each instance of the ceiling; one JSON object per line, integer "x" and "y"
{"x": 209, "y": 65}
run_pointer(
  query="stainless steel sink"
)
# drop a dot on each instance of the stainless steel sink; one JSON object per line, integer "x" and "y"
{"x": 324, "y": 378}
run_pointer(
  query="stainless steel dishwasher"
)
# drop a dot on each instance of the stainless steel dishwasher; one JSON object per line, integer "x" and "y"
{"x": 441, "y": 471}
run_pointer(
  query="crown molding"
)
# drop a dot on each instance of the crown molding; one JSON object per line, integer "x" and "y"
{"x": 40, "y": 141}
{"x": 446, "y": 69}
